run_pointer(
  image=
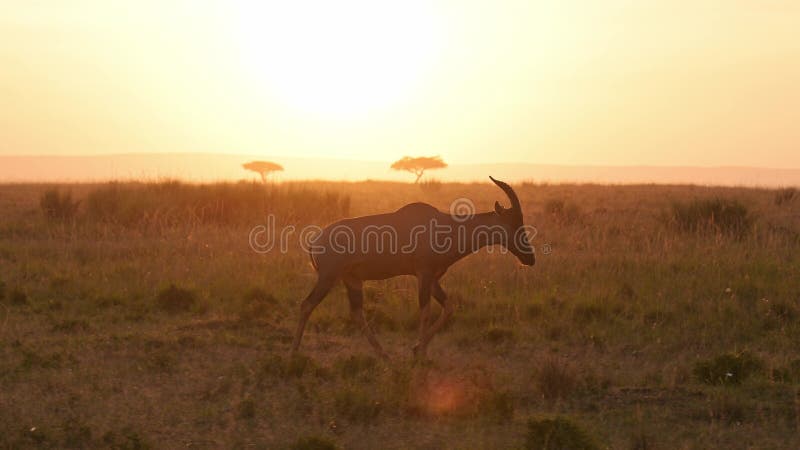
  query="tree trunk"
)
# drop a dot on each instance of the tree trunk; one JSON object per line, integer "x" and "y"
{"x": 419, "y": 175}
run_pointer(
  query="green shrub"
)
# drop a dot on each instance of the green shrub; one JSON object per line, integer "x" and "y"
{"x": 712, "y": 215}
{"x": 729, "y": 368}
{"x": 57, "y": 205}
{"x": 174, "y": 300}
{"x": 314, "y": 443}
{"x": 557, "y": 433}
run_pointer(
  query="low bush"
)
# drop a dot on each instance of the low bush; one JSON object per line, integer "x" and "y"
{"x": 785, "y": 196}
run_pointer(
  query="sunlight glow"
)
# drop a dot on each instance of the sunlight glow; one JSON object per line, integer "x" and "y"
{"x": 337, "y": 58}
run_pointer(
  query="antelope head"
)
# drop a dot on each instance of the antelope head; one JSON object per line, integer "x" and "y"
{"x": 511, "y": 220}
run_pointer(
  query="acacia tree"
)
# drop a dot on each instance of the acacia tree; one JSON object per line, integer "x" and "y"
{"x": 263, "y": 168}
{"x": 419, "y": 165}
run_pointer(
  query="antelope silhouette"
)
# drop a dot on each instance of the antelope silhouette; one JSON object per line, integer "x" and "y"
{"x": 418, "y": 240}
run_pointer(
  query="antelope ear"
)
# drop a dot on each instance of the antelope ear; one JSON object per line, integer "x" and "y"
{"x": 498, "y": 208}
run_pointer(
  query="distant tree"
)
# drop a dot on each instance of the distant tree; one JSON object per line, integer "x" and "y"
{"x": 419, "y": 165}
{"x": 263, "y": 168}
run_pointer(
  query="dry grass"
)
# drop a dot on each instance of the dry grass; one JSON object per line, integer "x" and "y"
{"x": 621, "y": 336}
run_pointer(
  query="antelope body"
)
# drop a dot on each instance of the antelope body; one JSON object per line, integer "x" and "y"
{"x": 418, "y": 240}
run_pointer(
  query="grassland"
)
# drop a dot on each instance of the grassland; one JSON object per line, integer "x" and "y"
{"x": 661, "y": 317}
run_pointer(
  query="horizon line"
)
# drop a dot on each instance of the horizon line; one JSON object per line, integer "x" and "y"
{"x": 100, "y": 155}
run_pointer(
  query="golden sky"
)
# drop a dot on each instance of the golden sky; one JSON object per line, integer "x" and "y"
{"x": 617, "y": 82}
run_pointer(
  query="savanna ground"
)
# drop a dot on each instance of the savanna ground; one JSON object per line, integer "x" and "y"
{"x": 663, "y": 317}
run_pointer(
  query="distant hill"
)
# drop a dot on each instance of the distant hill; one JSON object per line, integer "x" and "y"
{"x": 215, "y": 167}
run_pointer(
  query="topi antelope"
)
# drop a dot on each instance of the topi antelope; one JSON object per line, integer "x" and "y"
{"x": 418, "y": 240}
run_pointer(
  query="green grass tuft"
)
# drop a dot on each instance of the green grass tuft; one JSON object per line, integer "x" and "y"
{"x": 556, "y": 379}
{"x": 728, "y": 368}
{"x": 557, "y": 433}
{"x": 58, "y": 205}
{"x": 356, "y": 405}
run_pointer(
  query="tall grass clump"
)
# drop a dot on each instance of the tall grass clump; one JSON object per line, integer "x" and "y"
{"x": 563, "y": 212}
{"x": 172, "y": 203}
{"x": 785, "y": 196}
{"x": 58, "y": 205}
{"x": 430, "y": 186}
{"x": 716, "y": 215}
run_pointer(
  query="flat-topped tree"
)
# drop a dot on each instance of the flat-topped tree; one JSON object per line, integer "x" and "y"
{"x": 419, "y": 165}
{"x": 263, "y": 168}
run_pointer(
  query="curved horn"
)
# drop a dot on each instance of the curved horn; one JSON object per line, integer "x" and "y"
{"x": 512, "y": 196}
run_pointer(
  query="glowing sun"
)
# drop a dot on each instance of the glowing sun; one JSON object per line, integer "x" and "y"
{"x": 338, "y": 57}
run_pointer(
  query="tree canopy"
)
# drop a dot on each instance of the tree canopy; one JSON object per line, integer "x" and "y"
{"x": 263, "y": 168}
{"x": 419, "y": 165}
